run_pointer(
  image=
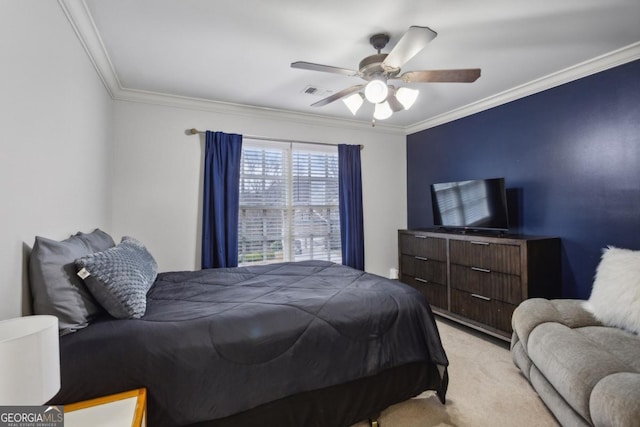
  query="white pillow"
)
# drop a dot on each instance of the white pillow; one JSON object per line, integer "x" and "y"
{"x": 615, "y": 297}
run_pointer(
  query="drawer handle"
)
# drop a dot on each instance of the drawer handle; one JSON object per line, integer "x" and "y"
{"x": 421, "y": 280}
{"x": 421, "y": 258}
{"x": 482, "y": 270}
{"x": 481, "y": 297}
{"x": 419, "y": 237}
{"x": 474, "y": 242}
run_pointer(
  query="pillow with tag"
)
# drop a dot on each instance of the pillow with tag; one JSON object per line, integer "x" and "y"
{"x": 120, "y": 277}
{"x": 55, "y": 288}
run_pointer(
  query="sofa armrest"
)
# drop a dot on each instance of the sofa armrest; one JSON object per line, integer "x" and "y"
{"x": 535, "y": 311}
{"x": 615, "y": 400}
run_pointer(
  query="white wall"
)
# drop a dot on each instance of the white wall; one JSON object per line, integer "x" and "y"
{"x": 72, "y": 159}
{"x": 55, "y": 131}
{"x": 158, "y": 174}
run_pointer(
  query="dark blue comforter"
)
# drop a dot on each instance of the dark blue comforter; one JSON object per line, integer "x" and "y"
{"x": 216, "y": 342}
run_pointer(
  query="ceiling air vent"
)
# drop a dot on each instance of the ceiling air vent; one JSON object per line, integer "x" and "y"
{"x": 316, "y": 91}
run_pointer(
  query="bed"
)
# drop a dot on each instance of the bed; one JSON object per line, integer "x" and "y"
{"x": 308, "y": 343}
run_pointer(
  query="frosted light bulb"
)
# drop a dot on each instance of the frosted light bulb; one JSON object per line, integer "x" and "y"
{"x": 376, "y": 91}
{"x": 382, "y": 111}
{"x": 353, "y": 102}
{"x": 407, "y": 96}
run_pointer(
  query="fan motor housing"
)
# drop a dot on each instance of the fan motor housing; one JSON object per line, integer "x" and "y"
{"x": 371, "y": 67}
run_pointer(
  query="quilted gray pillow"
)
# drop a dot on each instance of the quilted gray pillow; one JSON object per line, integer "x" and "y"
{"x": 120, "y": 277}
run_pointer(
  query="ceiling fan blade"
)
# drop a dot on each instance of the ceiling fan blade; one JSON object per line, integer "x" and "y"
{"x": 412, "y": 42}
{"x": 468, "y": 75}
{"x": 324, "y": 68}
{"x": 394, "y": 103}
{"x": 338, "y": 95}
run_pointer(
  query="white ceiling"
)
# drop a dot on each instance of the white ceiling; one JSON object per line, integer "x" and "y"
{"x": 239, "y": 51}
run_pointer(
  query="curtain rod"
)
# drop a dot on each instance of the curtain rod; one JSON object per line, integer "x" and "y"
{"x": 194, "y": 131}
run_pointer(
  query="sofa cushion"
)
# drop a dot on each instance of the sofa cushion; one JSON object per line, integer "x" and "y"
{"x": 615, "y": 297}
{"x": 571, "y": 362}
{"x": 615, "y": 401}
{"x": 535, "y": 311}
{"x": 520, "y": 357}
{"x": 564, "y": 413}
{"x": 622, "y": 345}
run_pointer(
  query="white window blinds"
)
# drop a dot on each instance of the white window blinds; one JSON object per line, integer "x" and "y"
{"x": 288, "y": 203}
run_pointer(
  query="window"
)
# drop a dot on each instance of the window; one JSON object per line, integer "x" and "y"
{"x": 288, "y": 203}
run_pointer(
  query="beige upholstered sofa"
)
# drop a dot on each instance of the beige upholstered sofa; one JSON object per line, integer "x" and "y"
{"x": 586, "y": 373}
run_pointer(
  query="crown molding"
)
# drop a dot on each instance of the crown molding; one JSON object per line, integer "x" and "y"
{"x": 82, "y": 23}
{"x": 79, "y": 17}
{"x": 228, "y": 108}
{"x": 604, "y": 62}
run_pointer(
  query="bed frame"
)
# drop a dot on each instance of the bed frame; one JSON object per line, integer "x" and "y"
{"x": 340, "y": 405}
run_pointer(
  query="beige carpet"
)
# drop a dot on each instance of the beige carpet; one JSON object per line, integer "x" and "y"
{"x": 485, "y": 389}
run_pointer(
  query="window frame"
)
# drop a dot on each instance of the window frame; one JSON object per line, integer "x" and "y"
{"x": 289, "y": 234}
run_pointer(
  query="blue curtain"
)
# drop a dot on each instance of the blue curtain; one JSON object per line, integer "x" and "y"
{"x": 350, "y": 194}
{"x": 222, "y": 155}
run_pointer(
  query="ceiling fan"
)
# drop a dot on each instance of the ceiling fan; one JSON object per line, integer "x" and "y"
{"x": 378, "y": 69}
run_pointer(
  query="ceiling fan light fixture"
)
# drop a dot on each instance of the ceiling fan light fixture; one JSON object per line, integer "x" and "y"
{"x": 407, "y": 96}
{"x": 353, "y": 102}
{"x": 382, "y": 111}
{"x": 376, "y": 70}
{"x": 376, "y": 91}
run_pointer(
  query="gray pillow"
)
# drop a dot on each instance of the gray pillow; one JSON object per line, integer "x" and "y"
{"x": 97, "y": 240}
{"x": 120, "y": 277}
{"x": 55, "y": 288}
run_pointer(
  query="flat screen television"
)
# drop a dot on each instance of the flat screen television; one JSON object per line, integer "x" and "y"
{"x": 477, "y": 204}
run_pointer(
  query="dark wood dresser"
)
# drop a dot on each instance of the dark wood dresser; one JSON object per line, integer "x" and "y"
{"x": 476, "y": 278}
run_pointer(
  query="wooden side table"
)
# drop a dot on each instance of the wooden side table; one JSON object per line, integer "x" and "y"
{"x": 128, "y": 408}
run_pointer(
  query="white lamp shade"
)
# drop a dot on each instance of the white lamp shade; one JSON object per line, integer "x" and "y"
{"x": 29, "y": 360}
{"x": 376, "y": 91}
{"x": 382, "y": 111}
{"x": 407, "y": 96}
{"x": 353, "y": 102}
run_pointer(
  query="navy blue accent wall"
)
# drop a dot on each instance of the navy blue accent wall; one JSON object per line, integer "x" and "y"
{"x": 571, "y": 159}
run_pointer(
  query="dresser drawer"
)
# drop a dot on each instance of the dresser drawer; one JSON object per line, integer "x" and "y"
{"x": 493, "y": 313}
{"x": 435, "y": 293}
{"x": 485, "y": 255}
{"x": 424, "y": 268}
{"x": 423, "y": 246}
{"x": 490, "y": 284}
{"x": 478, "y": 279}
